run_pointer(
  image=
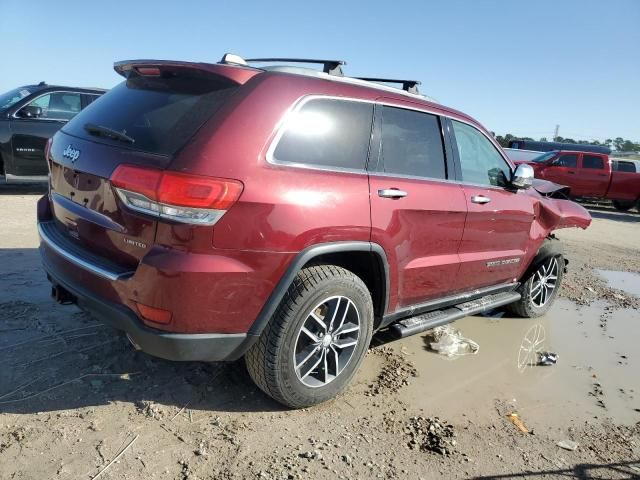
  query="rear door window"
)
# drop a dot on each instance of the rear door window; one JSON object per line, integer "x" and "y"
{"x": 592, "y": 161}
{"x": 569, "y": 160}
{"x": 624, "y": 166}
{"x": 89, "y": 98}
{"x": 158, "y": 113}
{"x": 327, "y": 133}
{"x": 411, "y": 143}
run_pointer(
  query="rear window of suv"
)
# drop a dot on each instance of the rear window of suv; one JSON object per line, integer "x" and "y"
{"x": 327, "y": 133}
{"x": 158, "y": 114}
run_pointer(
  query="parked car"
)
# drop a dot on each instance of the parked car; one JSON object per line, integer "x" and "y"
{"x": 29, "y": 116}
{"x": 283, "y": 214}
{"x": 590, "y": 175}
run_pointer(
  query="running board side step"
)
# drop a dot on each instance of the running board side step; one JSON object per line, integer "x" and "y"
{"x": 429, "y": 320}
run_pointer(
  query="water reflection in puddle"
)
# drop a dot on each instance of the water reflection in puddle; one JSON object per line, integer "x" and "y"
{"x": 626, "y": 281}
{"x": 505, "y": 369}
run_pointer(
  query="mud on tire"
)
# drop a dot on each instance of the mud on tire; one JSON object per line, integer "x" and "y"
{"x": 274, "y": 360}
{"x": 537, "y": 298}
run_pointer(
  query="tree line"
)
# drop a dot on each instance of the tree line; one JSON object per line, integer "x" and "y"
{"x": 620, "y": 144}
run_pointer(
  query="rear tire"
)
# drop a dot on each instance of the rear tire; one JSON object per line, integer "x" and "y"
{"x": 622, "y": 205}
{"x": 299, "y": 362}
{"x": 541, "y": 283}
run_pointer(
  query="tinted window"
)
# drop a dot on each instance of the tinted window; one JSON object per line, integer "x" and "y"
{"x": 328, "y": 133}
{"x": 569, "y": 160}
{"x": 14, "y": 96}
{"x": 411, "y": 143}
{"x": 479, "y": 160}
{"x": 58, "y": 105}
{"x": 90, "y": 98}
{"x": 624, "y": 166}
{"x": 544, "y": 157}
{"x": 160, "y": 113}
{"x": 592, "y": 161}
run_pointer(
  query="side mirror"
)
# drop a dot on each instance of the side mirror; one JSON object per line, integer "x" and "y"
{"x": 30, "y": 111}
{"x": 522, "y": 178}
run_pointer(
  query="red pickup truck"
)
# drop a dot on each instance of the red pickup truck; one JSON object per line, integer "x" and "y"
{"x": 590, "y": 175}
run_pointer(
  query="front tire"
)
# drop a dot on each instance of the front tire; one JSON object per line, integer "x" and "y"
{"x": 541, "y": 284}
{"x": 316, "y": 340}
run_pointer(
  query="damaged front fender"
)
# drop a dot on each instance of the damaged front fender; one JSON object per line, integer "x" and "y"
{"x": 555, "y": 213}
{"x": 550, "y": 190}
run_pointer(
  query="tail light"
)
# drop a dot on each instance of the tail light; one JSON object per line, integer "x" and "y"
{"x": 47, "y": 151}
{"x": 175, "y": 196}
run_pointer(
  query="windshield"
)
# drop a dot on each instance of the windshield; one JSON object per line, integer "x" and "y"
{"x": 544, "y": 157}
{"x": 152, "y": 114}
{"x": 12, "y": 97}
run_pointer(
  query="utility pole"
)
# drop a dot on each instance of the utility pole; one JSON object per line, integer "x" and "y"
{"x": 555, "y": 133}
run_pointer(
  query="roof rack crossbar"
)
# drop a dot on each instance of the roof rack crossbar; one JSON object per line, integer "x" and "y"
{"x": 332, "y": 67}
{"x": 410, "y": 86}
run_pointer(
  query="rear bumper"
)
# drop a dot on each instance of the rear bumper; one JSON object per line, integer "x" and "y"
{"x": 171, "y": 346}
{"x": 212, "y": 294}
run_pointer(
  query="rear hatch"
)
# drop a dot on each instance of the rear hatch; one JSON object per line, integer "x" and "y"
{"x": 141, "y": 123}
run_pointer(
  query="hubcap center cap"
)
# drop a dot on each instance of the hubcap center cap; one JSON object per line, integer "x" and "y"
{"x": 326, "y": 340}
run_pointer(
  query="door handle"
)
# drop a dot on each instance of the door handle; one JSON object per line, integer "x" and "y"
{"x": 571, "y": 173}
{"x": 481, "y": 199}
{"x": 391, "y": 193}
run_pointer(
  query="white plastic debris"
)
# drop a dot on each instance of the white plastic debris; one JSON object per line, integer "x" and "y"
{"x": 450, "y": 342}
{"x": 567, "y": 444}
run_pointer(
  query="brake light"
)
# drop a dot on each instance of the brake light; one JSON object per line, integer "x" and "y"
{"x": 47, "y": 149}
{"x": 200, "y": 192}
{"x": 148, "y": 71}
{"x": 175, "y": 196}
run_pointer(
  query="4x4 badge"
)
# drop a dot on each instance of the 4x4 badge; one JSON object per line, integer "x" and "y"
{"x": 71, "y": 153}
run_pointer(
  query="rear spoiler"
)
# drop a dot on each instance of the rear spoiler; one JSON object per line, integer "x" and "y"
{"x": 236, "y": 73}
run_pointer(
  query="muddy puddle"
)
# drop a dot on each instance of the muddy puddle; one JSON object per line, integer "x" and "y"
{"x": 596, "y": 375}
{"x": 626, "y": 281}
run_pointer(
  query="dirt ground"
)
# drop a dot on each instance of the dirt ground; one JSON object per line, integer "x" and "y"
{"x": 76, "y": 398}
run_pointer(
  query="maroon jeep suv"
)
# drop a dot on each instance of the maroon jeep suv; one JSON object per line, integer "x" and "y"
{"x": 284, "y": 214}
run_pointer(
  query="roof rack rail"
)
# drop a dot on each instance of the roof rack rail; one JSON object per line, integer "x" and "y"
{"x": 332, "y": 67}
{"x": 410, "y": 86}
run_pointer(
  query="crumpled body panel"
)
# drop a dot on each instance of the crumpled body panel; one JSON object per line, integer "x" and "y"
{"x": 556, "y": 213}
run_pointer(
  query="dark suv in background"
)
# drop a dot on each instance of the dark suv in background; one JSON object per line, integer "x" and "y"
{"x": 284, "y": 214}
{"x": 29, "y": 116}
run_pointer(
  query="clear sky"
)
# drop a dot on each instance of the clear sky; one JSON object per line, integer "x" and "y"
{"x": 519, "y": 67}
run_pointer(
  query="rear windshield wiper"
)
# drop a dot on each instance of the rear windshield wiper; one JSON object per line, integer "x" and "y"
{"x": 99, "y": 130}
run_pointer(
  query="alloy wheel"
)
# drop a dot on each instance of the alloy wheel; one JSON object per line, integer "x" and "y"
{"x": 544, "y": 282}
{"x": 326, "y": 341}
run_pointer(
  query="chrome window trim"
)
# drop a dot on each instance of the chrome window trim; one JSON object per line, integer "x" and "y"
{"x": 99, "y": 271}
{"x": 15, "y": 114}
{"x": 300, "y": 102}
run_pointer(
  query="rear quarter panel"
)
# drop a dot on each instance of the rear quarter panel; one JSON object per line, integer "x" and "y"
{"x": 282, "y": 208}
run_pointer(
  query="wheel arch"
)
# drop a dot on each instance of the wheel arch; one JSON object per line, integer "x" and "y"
{"x": 352, "y": 256}
{"x": 551, "y": 247}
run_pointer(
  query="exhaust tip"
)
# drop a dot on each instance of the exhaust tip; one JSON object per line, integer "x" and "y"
{"x": 62, "y": 295}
